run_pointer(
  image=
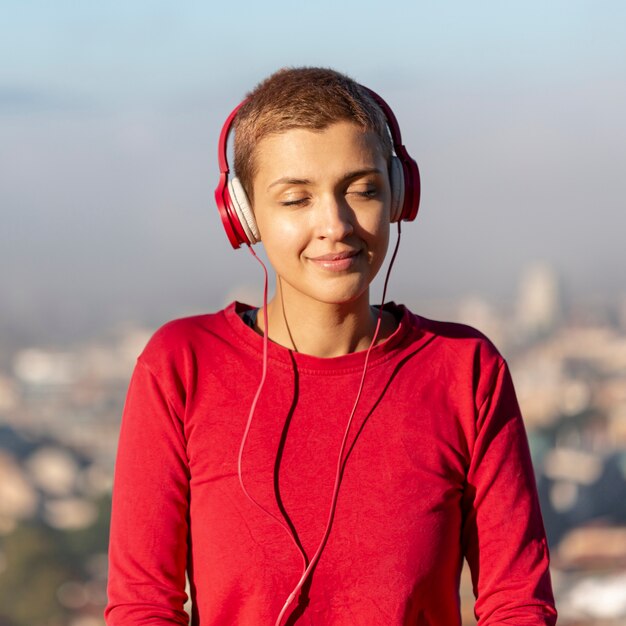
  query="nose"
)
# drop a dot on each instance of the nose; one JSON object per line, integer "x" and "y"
{"x": 335, "y": 218}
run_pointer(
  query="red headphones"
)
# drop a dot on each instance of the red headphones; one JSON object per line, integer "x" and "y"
{"x": 236, "y": 211}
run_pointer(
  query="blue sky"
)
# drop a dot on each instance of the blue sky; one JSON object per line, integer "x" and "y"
{"x": 109, "y": 114}
{"x": 127, "y": 50}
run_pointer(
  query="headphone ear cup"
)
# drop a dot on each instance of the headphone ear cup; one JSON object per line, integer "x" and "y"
{"x": 396, "y": 179}
{"x": 242, "y": 208}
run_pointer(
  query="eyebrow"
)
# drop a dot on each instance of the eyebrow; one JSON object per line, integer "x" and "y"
{"x": 287, "y": 180}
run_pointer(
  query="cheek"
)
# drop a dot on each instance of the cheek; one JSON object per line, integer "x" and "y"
{"x": 282, "y": 239}
{"x": 378, "y": 232}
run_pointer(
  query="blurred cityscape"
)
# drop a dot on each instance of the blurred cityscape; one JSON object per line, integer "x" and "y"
{"x": 60, "y": 408}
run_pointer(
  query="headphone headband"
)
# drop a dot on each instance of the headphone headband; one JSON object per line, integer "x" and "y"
{"x": 235, "y": 210}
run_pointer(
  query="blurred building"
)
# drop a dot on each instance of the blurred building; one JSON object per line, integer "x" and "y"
{"x": 539, "y": 302}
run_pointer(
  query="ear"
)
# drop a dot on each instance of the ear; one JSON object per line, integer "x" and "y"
{"x": 242, "y": 207}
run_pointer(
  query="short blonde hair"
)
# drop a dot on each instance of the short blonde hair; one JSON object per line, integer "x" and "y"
{"x": 303, "y": 97}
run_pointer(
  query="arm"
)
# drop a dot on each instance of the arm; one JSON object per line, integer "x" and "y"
{"x": 503, "y": 535}
{"x": 148, "y": 540}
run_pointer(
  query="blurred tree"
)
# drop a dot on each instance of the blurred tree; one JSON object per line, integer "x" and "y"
{"x": 35, "y": 568}
{"x": 39, "y": 560}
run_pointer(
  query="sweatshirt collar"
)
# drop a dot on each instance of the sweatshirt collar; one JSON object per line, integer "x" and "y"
{"x": 248, "y": 338}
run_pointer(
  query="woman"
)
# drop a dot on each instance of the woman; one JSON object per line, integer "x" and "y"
{"x": 321, "y": 460}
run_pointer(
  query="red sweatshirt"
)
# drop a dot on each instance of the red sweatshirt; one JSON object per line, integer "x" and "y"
{"x": 437, "y": 469}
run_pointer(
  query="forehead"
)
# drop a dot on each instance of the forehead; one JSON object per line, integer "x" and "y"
{"x": 307, "y": 152}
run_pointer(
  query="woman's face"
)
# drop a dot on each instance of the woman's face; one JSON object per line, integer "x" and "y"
{"x": 322, "y": 203}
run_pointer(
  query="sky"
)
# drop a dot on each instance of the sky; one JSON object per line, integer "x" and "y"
{"x": 110, "y": 112}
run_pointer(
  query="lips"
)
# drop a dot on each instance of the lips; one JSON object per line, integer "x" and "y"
{"x": 335, "y": 256}
{"x": 336, "y": 261}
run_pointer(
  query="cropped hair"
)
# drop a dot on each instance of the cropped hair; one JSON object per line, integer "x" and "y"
{"x": 304, "y": 97}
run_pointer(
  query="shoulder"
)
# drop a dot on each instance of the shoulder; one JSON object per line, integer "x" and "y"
{"x": 456, "y": 339}
{"x": 178, "y": 334}
{"x": 180, "y": 343}
{"x": 461, "y": 354}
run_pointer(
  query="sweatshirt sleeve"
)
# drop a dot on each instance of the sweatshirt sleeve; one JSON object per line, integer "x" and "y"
{"x": 149, "y": 519}
{"x": 503, "y": 534}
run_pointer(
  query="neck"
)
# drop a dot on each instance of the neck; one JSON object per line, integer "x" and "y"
{"x": 322, "y": 329}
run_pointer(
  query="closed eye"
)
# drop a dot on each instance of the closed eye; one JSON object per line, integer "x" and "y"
{"x": 299, "y": 202}
{"x": 367, "y": 193}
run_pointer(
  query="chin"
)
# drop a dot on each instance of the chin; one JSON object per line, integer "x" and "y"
{"x": 340, "y": 298}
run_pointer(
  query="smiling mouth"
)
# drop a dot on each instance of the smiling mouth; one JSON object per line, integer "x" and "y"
{"x": 336, "y": 261}
{"x": 335, "y": 256}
